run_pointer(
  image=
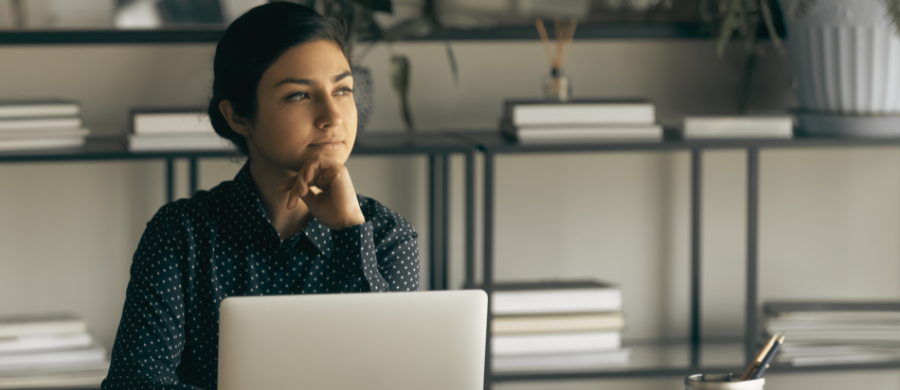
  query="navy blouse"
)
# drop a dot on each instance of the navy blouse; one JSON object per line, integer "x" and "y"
{"x": 196, "y": 252}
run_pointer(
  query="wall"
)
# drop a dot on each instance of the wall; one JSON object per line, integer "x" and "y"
{"x": 829, "y": 217}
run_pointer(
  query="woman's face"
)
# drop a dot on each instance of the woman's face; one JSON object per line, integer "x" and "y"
{"x": 305, "y": 107}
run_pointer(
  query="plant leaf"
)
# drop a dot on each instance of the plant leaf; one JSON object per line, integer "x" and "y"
{"x": 770, "y": 25}
{"x": 410, "y": 28}
{"x": 893, "y": 11}
{"x": 400, "y": 70}
{"x": 799, "y": 8}
{"x": 728, "y": 26}
{"x": 376, "y": 5}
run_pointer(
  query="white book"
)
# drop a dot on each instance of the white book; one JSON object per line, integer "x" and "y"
{"x": 34, "y": 343}
{"x": 172, "y": 123}
{"x": 44, "y": 133}
{"x": 563, "y": 361}
{"x": 55, "y": 323}
{"x": 738, "y": 127}
{"x": 529, "y": 113}
{"x": 39, "y": 123}
{"x": 150, "y": 143}
{"x": 557, "y": 323}
{"x": 871, "y": 357}
{"x": 32, "y": 109}
{"x": 63, "y": 380}
{"x": 545, "y": 301}
{"x": 555, "y": 343}
{"x": 22, "y": 144}
{"x": 50, "y": 359}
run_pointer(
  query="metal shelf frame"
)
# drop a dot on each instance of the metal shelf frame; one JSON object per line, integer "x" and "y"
{"x": 436, "y": 147}
{"x": 492, "y": 143}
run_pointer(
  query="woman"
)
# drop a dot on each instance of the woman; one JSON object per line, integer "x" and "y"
{"x": 289, "y": 223}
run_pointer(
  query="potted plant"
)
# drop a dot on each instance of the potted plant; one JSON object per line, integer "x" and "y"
{"x": 362, "y": 27}
{"x": 845, "y": 57}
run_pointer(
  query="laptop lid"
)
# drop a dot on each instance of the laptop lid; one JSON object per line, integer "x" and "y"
{"x": 401, "y": 340}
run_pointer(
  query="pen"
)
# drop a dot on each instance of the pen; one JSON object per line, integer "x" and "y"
{"x": 756, "y": 362}
{"x": 765, "y": 363}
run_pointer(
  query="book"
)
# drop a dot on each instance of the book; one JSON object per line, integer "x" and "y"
{"x": 562, "y": 361}
{"x": 39, "y": 123}
{"x": 39, "y": 108}
{"x": 555, "y": 343}
{"x": 582, "y": 133}
{"x": 545, "y": 297}
{"x": 53, "y": 323}
{"x": 169, "y": 122}
{"x": 55, "y": 379}
{"x": 780, "y": 308}
{"x": 579, "y": 112}
{"x": 52, "y": 359}
{"x": 44, "y": 133}
{"x": 557, "y": 323}
{"x": 698, "y": 127}
{"x": 43, "y": 342}
{"x": 159, "y": 142}
{"x": 41, "y": 143}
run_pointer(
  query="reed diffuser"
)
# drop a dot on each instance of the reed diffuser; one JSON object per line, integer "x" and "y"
{"x": 557, "y": 85}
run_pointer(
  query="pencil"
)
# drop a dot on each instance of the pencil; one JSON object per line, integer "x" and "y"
{"x": 756, "y": 362}
{"x": 768, "y": 359}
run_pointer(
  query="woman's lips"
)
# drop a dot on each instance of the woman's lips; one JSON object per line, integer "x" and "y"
{"x": 327, "y": 145}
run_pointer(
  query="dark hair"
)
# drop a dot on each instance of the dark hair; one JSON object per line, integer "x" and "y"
{"x": 251, "y": 44}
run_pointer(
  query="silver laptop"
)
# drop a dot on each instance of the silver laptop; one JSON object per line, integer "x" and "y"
{"x": 375, "y": 341}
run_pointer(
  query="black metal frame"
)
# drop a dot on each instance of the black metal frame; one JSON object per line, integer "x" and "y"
{"x": 491, "y": 143}
{"x": 436, "y": 147}
{"x": 605, "y": 30}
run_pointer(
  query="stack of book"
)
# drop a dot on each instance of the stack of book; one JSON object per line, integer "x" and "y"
{"x": 49, "y": 351}
{"x": 823, "y": 333}
{"x": 559, "y": 325}
{"x": 711, "y": 127}
{"x": 43, "y": 124}
{"x": 538, "y": 121}
{"x": 156, "y": 130}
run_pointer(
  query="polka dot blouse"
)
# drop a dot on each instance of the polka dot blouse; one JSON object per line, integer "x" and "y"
{"x": 196, "y": 252}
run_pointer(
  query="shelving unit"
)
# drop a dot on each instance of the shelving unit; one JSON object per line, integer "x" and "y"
{"x": 649, "y": 362}
{"x": 436, "y": 147}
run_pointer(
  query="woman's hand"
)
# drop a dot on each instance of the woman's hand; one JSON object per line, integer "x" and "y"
{"x": 324, "y": 186}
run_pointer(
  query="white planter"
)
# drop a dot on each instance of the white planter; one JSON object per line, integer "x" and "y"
{"x": 845, "y": 56}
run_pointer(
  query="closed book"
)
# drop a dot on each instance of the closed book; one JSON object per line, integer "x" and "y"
{"x": 855, "y": 358}
{"x": 44, "y": 342}
{"x": 50, "y": 359}
{"x": 51, "y": 380}
{"x": 562, "y": 361}
{"x": 39, "y": 108}
{"x": 162, "y": 142}
{"x": 698, "y": 127}
{"x": 54, "y": 323}
{"x": 35, "y": 124}
{"x": 166, "y": 122}
{"x": 555, "y": 297}
{"x": 582, "y": 133}
{"x": 555, "y": 343}
{"x": 606, "y": 321}
{"x": 21, "y": 144}
{"x": 824, "y": 307}
{"x": 579, "y": 112}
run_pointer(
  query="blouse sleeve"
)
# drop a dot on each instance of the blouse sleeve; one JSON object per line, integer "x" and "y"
{"x": 150, "y": 338}
{"x": 382, "y": 252}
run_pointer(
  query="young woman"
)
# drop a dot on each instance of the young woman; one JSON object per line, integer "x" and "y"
{"x": 289, "y": 223}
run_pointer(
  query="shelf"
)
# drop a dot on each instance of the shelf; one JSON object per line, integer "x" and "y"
{"x": 610, "y": 30}
{"x": 660, "y": 360}
{"x": 494, "y": 142}
{"x": 115, "y": 148}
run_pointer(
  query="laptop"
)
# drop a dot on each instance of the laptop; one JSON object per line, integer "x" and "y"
{"x": 375, "y": 341}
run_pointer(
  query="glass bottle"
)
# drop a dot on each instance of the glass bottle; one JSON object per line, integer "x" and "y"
{"x": 557, "y": 86}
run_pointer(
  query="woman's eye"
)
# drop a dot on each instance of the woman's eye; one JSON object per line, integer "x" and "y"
{"x": 344, "y": 91}
{"x": 299, "y": 96}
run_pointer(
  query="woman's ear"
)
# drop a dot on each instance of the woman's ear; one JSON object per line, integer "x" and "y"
{"x": 237, "y": 123}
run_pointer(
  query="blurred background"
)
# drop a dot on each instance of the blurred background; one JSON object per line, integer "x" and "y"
{"x": 829, "y": 217}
